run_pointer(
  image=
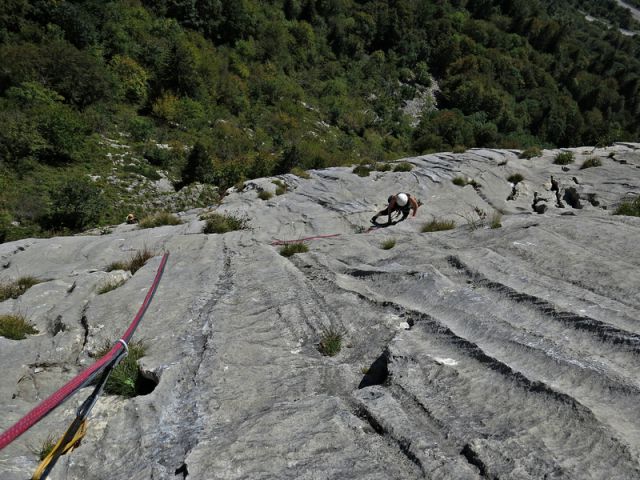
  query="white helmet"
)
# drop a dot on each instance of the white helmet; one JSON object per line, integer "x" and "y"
{"x": 402, "y": 199}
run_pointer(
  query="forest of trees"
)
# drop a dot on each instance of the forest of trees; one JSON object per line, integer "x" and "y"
{"x": 261, "y": 87}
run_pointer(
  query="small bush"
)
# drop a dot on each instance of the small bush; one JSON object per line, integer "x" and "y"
{"x": 563, "y": 158}
{"x": 223, "y": 223}
{"x": 111, "y": 284}
{"x": 531, "y": 152}
{"x": 383, "y": 167}
{"x": 388, "y": 244}
{"x": 460, "y": 181}
{"x": 330, "y": 342}
{"x": 515, "y": 178}
{"x": 630, "y": 208}
{"x": 362, "y": 170}
{"x": 293, "y": 248}
{"x": 15, "y": 327}
{"x": 159, "y": 219}
{"x": 459, "y": 149}
{"x": 281, "y": 187}
{"x": 125, "y": 378}
{"x": 264, "y": 195}
{"x": 135, "y": 263}
{"x": 438, "y": 225}
{"x": 403, "y": 167}
{"x": 496, "y": 220}
{"x": 17, "y": 287}
{"x": 591, "y": 162}
{"x": 298, "y": 172}
{"x": 144, "y": 170}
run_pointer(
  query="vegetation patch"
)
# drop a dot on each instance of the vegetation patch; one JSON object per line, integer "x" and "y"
{"x": 299, "y": 172}
{"x": 144, "y": 170}
{"x": 515, "y": 178}
{"x": 383, "y": 167}
{"x": 330, "y": 342}
{"x": 531, "y": 152}
{"x": 362, "y": 170}
{"x": 159, "y": 219}
{"x": 126, "y": 379}
{"x": 264, "y": 195}
{"x": 15, "y": 327}
{"x": 111, "y": 284}
{"x": 591, "y": 162}
{"x": 496, "y": 220}
{"x": 17, "y": 287}
{"x": 388, "y": 244}
{"x": 630, "y": 208}
{"x": 223, "y": 223}
{"x": 460, "y": 181}
{"x": 45, "y": 447}
{"x": 134, "y": 263}
{"x": 563, "y": 158}
{"x": 459, "y": 149}
{"x": 281, "y": 187}
{"x": 293, "y": 248}
{"x": 437, "y": 225}
{"x": 403, "y": 167}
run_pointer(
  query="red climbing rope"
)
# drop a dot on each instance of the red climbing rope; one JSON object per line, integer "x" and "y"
{"x": 84, "y": 378}
{"x": 287, "y": 242}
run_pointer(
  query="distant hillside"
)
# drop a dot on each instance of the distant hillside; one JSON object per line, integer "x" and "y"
{"x": 123, "y": 90}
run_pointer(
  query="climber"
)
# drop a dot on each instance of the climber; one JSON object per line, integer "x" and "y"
{"x": 401, "y": 202}
{"x": 131, "y": 219}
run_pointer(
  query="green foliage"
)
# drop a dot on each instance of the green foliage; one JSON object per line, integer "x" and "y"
{"x": 76, "y": 205}
{"x": 17, "y": 287}
{"x": 496, "y": 220}
{"x": 45, "y": 447}
{"x": 159, "y": 219}
{"x": 223, "y": 223}
{"x": 281, "y": 187}
{"x": 388, "y": 244}
{"x": 199, "y": 167}
{"x": 591, "y": 162}
{"x": 437, "y": 225}
{"x": 298, "y": 172}
{"x": 111, "y": 284}
{"x": 460, "y": 181}
{"x": 124, "y": 379}
{"x": 531, "y": 152}
{"x": 15, "y": 327}
{"x": 144, "y": 170}
{"x": 515, "y": 178}
{"x": 292, "y": 248}
{"x": 403, "y": 167}
{"x": 330, "y": 342}
{"x": 362, "y": 170}
{"x": 630, "y": 208}
{"x": 563, "y": 158}
{"x": 134, "y": 263}
{"x": 264, "y": 195}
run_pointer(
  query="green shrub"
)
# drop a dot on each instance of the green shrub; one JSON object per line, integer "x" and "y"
{"x": 159, "y": 219}
{"x": 111, "y": 284}
{"x": 17, "y": 287}
{"x": 293, "y": 248}
{"x": 15, "y": 327}
{"x": 403, "y": 167}
{"x": 76, "y": 205}
{"x": 459, "y": 149}
{"x": 388, "y": 244}
{"x": 133, "y": 264}
{"x": 330, "y": 342}
{"x": 630, "y": 208}
{"x": 531, "y": 152}
{"x": 460, "y": 181}
{"x": 299, "y": 172}
{"x": 591, "y": 162}
{"x": 223, "y": 223}
{"x": 438, "y": 225}
{"x": 281, "y": 187}
{"x": 125, "y": 378}
{"x": 515, "y": 178}
{"x": 144, "y": 170}
{"x": 563, "y": 158}
{"x": 264, "y": 195}
{"x": 362, "y": 170}
{"x": 383, "y": 167}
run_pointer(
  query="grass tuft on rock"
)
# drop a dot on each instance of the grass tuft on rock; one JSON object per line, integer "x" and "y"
{"x": 460, "y": 181}
{"x": 591, "y": 162}
{"x": 134, "y": 263}
{"x": 45, "y": 447}
{"x": 111, "y": 284}
{"x": 159, "y": 219}
{"x": 125, "y": 378}
{"x": 496, "y": 220}
{"x": 531, "y": 152}
{"x": 330, "y": 342}
{"x": 362, "y": 170}
{"x": 223, "y": 223}
{"x": 630, "y": 208}
{"x": 293, "y": 248}
{"x": 17, "y": 287}
{"x": 264, "y": 195}
{"x": 437, "y": 225}
{"x": 563, "y": 158}
{"x": 388, "y": 244}
{"x": 15, "y": 327}
{"x": 281, "y": 187}
{"x": 298, "y": 172}
{"x": 403, "y": 167}
{"x": 515, "y": 178}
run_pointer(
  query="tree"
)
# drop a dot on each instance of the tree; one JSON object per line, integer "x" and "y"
{"x": 76, "y": 205}
{"x": 199, "y": 167}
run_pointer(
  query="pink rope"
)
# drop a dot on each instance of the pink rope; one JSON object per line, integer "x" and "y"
{"x": 46, "y": 406}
